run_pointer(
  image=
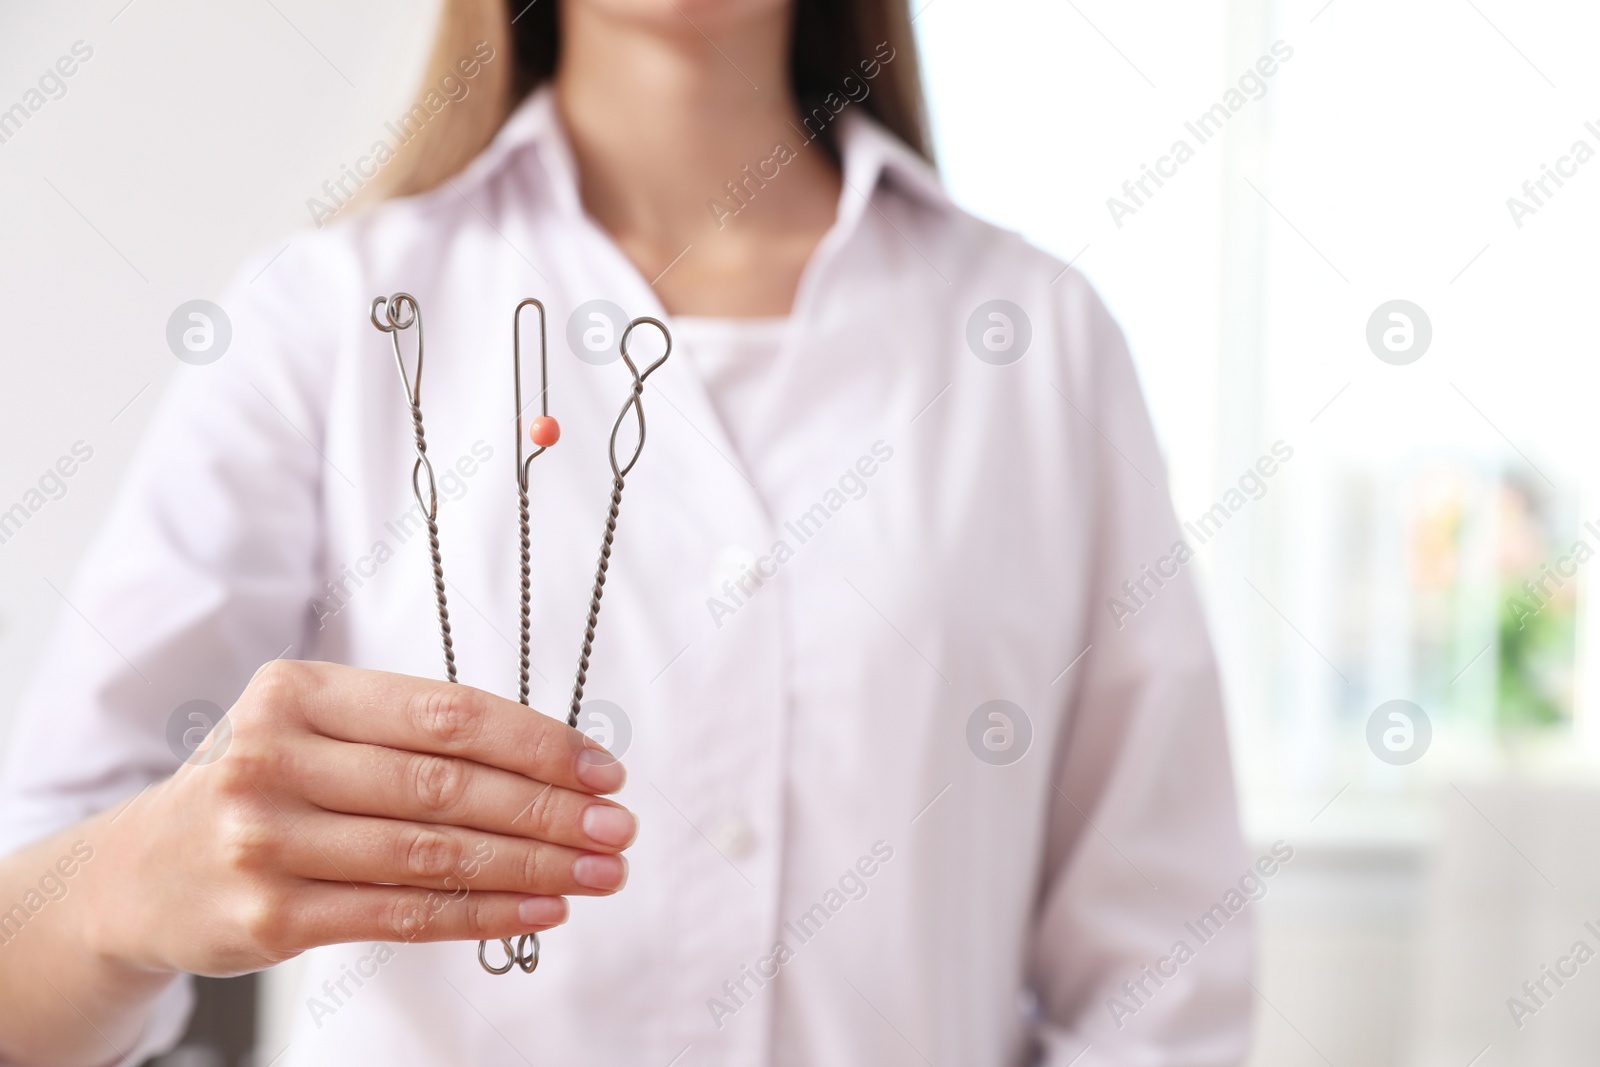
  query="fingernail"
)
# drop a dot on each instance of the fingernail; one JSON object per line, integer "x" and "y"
{"x": 608, "y": 824}
{"x": 543, "y": 911}
{"x": 600, "y": 872}
{"x": 599, "y": 769}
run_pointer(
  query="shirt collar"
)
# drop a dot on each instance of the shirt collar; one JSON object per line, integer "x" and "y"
{"x": 871, "y": 156}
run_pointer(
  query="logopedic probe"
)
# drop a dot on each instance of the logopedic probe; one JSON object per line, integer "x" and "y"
{"x": 396, "y": 315}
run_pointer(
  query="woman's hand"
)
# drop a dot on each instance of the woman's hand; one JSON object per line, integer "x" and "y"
{"x": 351, "y": 805}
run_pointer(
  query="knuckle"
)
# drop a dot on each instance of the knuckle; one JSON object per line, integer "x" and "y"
{"x": 554, "y": 746}
{"x": 266, "y": 920}
{"x": 429, "y": 854}
{"x": 540, "y": 813}
{"x": 535, "y": 866}
{"x": 543, "y": 753}
{"x": 278, "y": 683}
{"x": 477, "y": 915}
{"x": 411, "y": 914}
{"x": 231, "y": 777}
{"x": 246, "y": 843}
{"x": 237, "y": 773}
{"x": 452, "y": 716}
{"x": 406, "y": 916}
{"x": 438, "y": 782}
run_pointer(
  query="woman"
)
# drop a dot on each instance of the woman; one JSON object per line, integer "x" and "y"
{"x": 907, "y": 785}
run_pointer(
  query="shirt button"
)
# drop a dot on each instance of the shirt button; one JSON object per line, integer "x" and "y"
{"x": 733, "y": 837}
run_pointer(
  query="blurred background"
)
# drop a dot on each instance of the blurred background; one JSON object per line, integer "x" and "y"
{"x": 1345, "y": 263}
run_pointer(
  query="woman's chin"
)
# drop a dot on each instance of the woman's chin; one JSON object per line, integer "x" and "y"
{"x": 702, "y": 15}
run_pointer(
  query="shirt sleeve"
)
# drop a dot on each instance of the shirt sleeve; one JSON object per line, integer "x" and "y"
{"x": 202, "y": 571}
{"x": 1144, "y": 940}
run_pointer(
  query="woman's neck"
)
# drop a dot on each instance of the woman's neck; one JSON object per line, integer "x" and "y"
{"x": 661, "y": 118}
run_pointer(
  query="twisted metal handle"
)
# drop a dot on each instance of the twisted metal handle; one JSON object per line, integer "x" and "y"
{"x": 524, "y": 463}
{"x": 594, "y": 602}
{"x": 619, "y": 474}
{"x": 400, "y": 312}
{"x": 526, "y": 627}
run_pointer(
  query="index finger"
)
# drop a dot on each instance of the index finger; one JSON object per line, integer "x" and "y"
{"x": 442, "y": 718}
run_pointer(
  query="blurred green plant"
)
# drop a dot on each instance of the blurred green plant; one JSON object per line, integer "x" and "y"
{"x": 1534, "y": 687}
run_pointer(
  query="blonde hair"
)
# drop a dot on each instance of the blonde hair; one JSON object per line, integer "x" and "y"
{"x": 830, "y": 40}
{"x": 443, "y": 147}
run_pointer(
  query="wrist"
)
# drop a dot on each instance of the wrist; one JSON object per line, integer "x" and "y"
{"x": 58, "y": 884}
{"x": 103, "y": 913}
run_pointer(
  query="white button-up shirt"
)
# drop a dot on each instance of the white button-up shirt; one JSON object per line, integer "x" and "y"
{"x": 919, "y": 710}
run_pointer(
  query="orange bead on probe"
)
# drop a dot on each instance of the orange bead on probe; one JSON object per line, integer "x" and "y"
{"x": 544, "y": 431}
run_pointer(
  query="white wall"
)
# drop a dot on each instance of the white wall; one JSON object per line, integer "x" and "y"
{"x": 193, "y": 135}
